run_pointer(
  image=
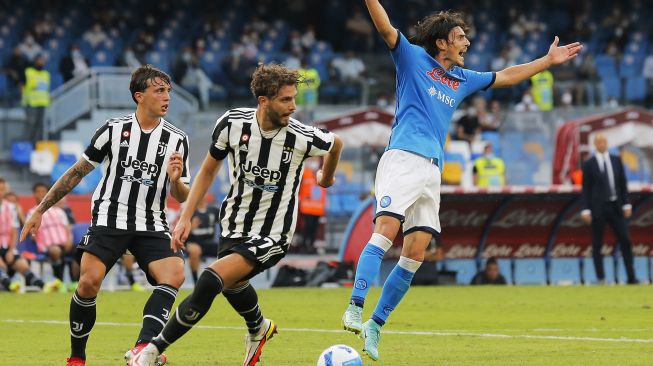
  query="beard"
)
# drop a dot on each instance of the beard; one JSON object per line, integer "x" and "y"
{"x": 276, "y": 118}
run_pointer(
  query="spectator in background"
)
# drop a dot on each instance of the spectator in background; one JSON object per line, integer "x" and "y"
{"x": 490, "y": 275}
{"x": 54, "y": 237}
{"x": 129, "y": 59}
{"x": 73, "y": 64}
{"x": 181, "y": 63}
{"x": 468, "y": 128}
{"x": 30, "y": 48}
{"x": 360, "y": 31}
{"x": 95, "y": 35}
{"x": 10, "y": 259}
{"x": 36, "y": 98}
{"x": 350, "y": 68}
{"x": 13, "y": 198}
{"x": 196, "y": 78}
{"x": 312, "y": 206}
{"x": 605, "y": 200}
{"x": 526, "y": 104}
{"x": 294, "y": 60}
{"x": 647, "y": 73}
{"x": 494, "y": 117}
{"x": 307, "y": 92}
{"x": 307, "y": 39}
{"x": 489, "y": 170}
{"x": 592, "y": 86}
{"x": 15, "y": 70}
{"x": 542, "y": 90}
{"x": 202, "y": 240}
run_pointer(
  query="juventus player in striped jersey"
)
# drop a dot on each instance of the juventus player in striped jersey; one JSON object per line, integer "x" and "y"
{"x": 143, "y": 158}
{"x": 267, "y": 150}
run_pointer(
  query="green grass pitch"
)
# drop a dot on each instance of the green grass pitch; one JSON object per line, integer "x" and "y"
{"x": 432, "y": 326}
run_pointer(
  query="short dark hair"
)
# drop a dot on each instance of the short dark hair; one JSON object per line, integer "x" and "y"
{"x": 39, "y": 184}
{"x": 491, "y": 261}
{"x": 437, "y": 26}
{"x": 268, "y": 79}
{"x": 140, "y": 77}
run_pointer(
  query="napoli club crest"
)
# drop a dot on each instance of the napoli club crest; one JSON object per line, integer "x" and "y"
{"x": 385, "y": 201}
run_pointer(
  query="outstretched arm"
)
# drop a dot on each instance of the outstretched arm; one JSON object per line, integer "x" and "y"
{"x": 203, "y": 181}
{"x": 61, "y": 187}
{"x": 326, "y": 175}
{"x": 557, "y": 55}
{"x": 382, "y": 22}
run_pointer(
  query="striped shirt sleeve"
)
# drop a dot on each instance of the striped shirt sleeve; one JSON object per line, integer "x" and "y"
{"x": 98, "y": 149}
{"x": 220, "y": 145}
{"x": 322, "y": 142}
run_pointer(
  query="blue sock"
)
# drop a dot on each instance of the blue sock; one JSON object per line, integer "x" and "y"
{"x": 394, "y": 288}
{"x": 368, "y": 267}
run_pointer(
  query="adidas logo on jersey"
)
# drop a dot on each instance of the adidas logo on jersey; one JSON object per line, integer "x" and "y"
{"x": 124, "y": 144}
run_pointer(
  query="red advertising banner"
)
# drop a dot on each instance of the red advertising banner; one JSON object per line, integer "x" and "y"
{"x": 522, "y": 228}
{"x": 462, "y": 223}
{"x": 574, "y": 238}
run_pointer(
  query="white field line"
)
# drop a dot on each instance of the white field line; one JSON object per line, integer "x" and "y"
{"x": 452, "y": 333}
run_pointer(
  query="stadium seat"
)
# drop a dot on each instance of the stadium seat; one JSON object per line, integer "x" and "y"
{"x": 635, "y": 90}
{"x": 21, "y": 152}
{"x": 41, "y": 162}
{"x": 564, "y": 271}
{"x": 465, "y": 269}
{"x": 71, "y": 147}
{"x": 612, "y": 86}
{"x": 46, "y": 145}
{"x": 530, "y": 271}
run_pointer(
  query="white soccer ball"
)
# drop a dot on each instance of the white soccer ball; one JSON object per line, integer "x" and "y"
{"x": 340, "y": 355}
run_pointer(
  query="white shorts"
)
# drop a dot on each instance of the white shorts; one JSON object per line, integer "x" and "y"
{"x": 407, "y": 187}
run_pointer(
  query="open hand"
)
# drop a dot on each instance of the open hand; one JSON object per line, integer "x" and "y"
{"x": 561, "y": 54}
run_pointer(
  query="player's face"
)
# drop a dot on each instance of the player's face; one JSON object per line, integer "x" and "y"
{"x": 457, "y": 45}
{"x": 280, "y": 107}
{"x": 39, "y": 193}
{"x": 492, "y": 271}
{"x": 156, "y": 98}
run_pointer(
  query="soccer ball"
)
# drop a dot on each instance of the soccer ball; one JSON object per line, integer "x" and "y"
{"x": 340, "y": 355}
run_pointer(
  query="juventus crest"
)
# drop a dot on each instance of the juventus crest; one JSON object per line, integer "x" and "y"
{"x": 162, "y": 149}
{"x": 287, "y": 154}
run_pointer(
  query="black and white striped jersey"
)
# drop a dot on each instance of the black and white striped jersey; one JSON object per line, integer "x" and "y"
{"x": 265, "y": 172}
{"x": 132, "y": 194}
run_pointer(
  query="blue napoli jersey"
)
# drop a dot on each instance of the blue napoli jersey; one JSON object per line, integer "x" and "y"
{"x": 427, "y": 96}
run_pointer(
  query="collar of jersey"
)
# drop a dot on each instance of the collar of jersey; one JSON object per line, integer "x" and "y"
{"x": 161, "y": 121}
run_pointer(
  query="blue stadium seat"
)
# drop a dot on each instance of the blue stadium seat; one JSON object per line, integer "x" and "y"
{"x": 4, "y": 85}
{"x": 20, "y": 152}
{"x": 564, "y": 270}
{"x": 530, "y": 271}
{"x": 465, "y": 269}
{"x": 630, "y": 67}
{"x": 635, "y": 90}
{"x": 612, "y": 86}
{"x": 606, "y": 65}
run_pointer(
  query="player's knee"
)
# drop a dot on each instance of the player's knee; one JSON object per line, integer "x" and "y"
{"x": 387, "y": 226}
{"x": 174, "y": 277}
{"x": 54, "y": 252}
{"x": 89, "y": 285}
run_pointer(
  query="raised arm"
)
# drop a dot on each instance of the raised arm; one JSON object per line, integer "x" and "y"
{"x": 557, "y": 55}
{"x": 382, "y": 22}
{"x": 326, "y": 175}
{"x": 61, "y": 187}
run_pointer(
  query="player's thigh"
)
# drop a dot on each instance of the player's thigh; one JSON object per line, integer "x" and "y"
{"x": 104, "y": 244}
{"x": 262, "y": 252}
{"x": 153, "y": 254}
{"x": 400, "y": 181}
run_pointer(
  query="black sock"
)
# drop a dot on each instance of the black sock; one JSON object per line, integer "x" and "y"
{"x": 32, "y": 280}
{"x": 82, "y": 319}
{"x": 130, "y": 278}
{"x": 245, "y": 301}
{"x": 57, "y": 270}
{"x": 191, "y": 310}
{"x": 156, "y": 312}
{"x": 194, "y": 274}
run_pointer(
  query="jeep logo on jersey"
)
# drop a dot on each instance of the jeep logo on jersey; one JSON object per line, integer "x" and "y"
{"x": 265, "y": 173}
{"x": 143, "y": 166}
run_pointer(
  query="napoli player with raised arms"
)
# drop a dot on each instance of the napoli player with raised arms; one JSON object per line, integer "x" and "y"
{"x": 431, "y": 83}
